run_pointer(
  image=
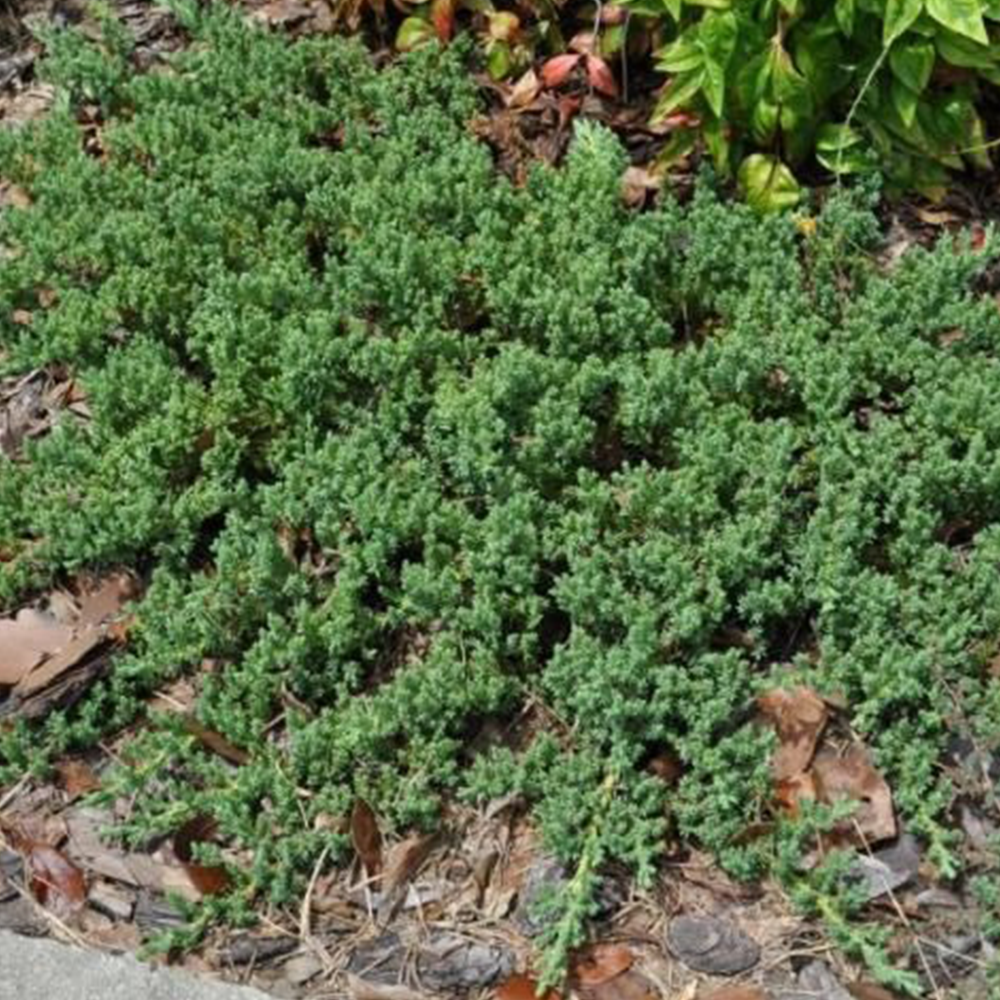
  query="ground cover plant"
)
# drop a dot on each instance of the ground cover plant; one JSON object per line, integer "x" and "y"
{"x": 401, "y": 450}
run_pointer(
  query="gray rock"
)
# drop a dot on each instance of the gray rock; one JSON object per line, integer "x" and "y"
{"x": 709, "y": 944}
{"x": 815, "y": 981}
{"x": 450, "y": 963}
{"x": 44, "y": 969}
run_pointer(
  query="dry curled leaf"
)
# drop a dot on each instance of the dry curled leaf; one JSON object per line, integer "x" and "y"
{"x": 600, "y": 962}
{"x": 27, "y": 640}
{"x": 77, "y": 778}
{"x": 214, "y": 741}
{"x": 851, "y": 777}
{"x": 54, "y": 880}
{"x": 366, "y": 837}
{"x": 524, "y": 92}
{"x": 207, "y": 880}
{"x": 799, "y": 716}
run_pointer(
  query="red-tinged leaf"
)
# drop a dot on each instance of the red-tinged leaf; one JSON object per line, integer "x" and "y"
{"x": 601, "y": 962}
{"x": 681, "y": 119}
{"x": 443, "y": 18}
{"x": 556, "y": 71}
{"x": 215, "y": 742}
{"x": 54, "y": 880}
{"x": 568, "y": 107}
{"x": 600, "y": 76}
{"x": 366, "y": 837}
{"x": 522, "y": 987}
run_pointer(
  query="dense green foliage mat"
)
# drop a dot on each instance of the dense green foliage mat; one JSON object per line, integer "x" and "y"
{"x": 405, "y": 448}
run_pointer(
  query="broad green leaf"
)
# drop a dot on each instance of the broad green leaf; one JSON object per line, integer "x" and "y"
{"x": 841, "y": 149}
{"x": 904, "y": 101}
{"x": 768, "y": 184}
{"x": 717, "y": 40}
{"x": 786, "y": 81}
{"x": 961, "y": 51}
{"x": 678, "y": 94}
{"x": 717, "y": 37}
{"x": 899, "y": 15}
{"x": 764, "y": 122}
{"x": 713, "y": 4}
{"x": 714, "y": 87}
{"x": 680, "y": 56}
{"x": 912, "y": 62}
{"x": 962, "y": 16}
{"x": 414, "y": 32}
{"x": 715, "y": 134}
{"x": 500, "y": 60}
{"x": 844, "y": 11}
{"x": 790, "y": 7}
{"x": 674, "y": 8}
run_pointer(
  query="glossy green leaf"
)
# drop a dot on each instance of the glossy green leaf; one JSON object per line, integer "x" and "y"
{"x": 768, "y": 185}
{"x": 904, "y": 101}
{"x": 679, "y": 94}
{"x": 912, "y": 62}
{"x": 964, "y": 17}
{"x": 414, "y": 32}
{"x": 844, "y": 12}
{"x": 899, "y": 15}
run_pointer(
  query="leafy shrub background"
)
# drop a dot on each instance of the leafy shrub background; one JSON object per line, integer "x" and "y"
{"x": 893, "y": 84}
{"x": 526, "y": 443}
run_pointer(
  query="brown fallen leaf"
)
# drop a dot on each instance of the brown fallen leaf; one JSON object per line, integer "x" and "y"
{"x": 54, "y": 880}
{"x": 600, "y": 962}
{"x": 524, "y": 92}
{"x": 26, "y": 641}
{"x": 14, "y": 196}
{"x": 628, "y": 985}
{"x": 637, "y": 183}
{"x": 870, "y": 991}
{"x": 364, "y": 989}
{"x": 521, "y": 987}
{"x": 407, "y": 859}
{"x": 799, "y": 716}
{"x": 208, "y": 880}
{"x": 851, "y": 777}
{"x": 214, "y": 741}
{"x": 74, "y": 652}
{"x": 366, "y": 837}
{"x": 734, "y": 993}
{"x": 667, "y": 767}
{"x": 77, "y": 778}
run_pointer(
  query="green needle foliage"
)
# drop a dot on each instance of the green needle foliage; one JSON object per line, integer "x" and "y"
{"x": 401, "y": 448}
